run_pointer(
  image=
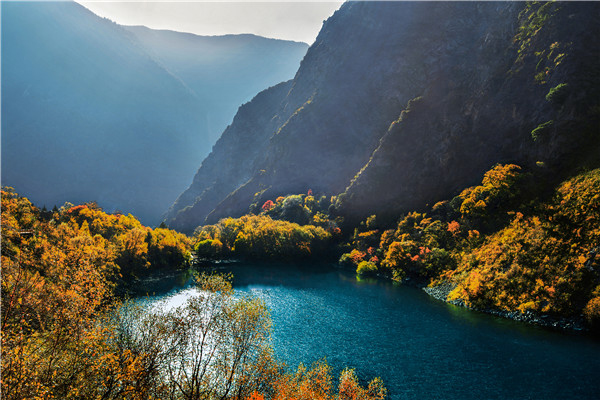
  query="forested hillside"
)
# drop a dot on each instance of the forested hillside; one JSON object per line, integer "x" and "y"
{"x": 506, "y": 245}
{"x": 516, "y": 244}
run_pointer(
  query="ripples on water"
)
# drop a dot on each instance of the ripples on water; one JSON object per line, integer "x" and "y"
{"x": 421, "y": 347}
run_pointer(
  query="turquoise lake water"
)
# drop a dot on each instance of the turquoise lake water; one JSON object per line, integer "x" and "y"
{"x": 422, "y": 348}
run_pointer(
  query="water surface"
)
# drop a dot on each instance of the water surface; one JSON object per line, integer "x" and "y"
{"x": 421, "y": 347}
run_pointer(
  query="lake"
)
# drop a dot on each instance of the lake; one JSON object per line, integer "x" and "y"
{"x": 421, "y": 347}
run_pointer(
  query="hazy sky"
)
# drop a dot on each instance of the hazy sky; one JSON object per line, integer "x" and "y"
{"x": 300, "y": 21}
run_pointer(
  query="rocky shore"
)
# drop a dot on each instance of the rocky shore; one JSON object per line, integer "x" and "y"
{"x": 440, "y": 292}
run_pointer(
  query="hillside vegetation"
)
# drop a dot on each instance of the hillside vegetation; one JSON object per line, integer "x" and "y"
{"x": 65, "y": 334}
{"x": 501, "y": 245}
{"x": 517, "y": 243}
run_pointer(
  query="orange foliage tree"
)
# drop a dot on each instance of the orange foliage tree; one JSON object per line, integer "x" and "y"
{"x": 65, "y": 335}
{"x": 317, "y": 383}
{"x": 546, "y": 263}
{"x": 58, "y": 277}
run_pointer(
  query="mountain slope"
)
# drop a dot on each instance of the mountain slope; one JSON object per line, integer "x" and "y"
{"x": 486, "y": 112}
{"x": 232, "y": 160}
{"x": 477, "y": 73}
{"x": 90, "y": 114}
{"x": 85, "y": 115}
{"x": 222, "y": 71}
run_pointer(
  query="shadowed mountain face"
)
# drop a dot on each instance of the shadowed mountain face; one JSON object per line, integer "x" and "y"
{"x": 399, "y": 104}
{"x": 93, "y": 111}
{"x": 233, "y": 160}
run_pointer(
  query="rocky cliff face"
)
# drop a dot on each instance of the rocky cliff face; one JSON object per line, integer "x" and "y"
{"x": 482, "y": 111}
{"x": 232, "y": 161}
{"x": 399, "y": 104}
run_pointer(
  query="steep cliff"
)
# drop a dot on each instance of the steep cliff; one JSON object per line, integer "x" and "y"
{"x": 488, "y": 111}
{"x": 478, "y": 75}
{"x": 232, "y": 160}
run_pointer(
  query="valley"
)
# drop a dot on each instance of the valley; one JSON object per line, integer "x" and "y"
{"x": 407, "y": 208}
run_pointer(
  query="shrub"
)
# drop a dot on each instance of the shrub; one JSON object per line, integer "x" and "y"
{"x": 558, "y": 94}
{"x": 488, "y": 202}
{"x": 591, "y": 311}
{"x": 437, "y": 261}
{"x": 371, "y": 222}
{"x": 209, "y": 248}
{"x": 294, "y": 210}
{"x": 366, "y": 268}
{"x": 345, "y": 259}
{"x": 268, "y": 205}
{"x": 542, "y": 131}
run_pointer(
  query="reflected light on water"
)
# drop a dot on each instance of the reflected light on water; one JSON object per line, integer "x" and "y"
{"x": 178, "y": 299}
{"x": 421, "y": 347}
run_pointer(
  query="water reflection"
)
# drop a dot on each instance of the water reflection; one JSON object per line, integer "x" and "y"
{"x": 422, "y": 348}
{"x": 160, "y": 284}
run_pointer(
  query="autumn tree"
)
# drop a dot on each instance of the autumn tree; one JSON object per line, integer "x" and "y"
{"x": 216, "y": 345}
{"x": 260, "y": 237}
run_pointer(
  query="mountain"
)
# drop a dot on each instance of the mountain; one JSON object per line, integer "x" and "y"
{"x": 400, "y": 104}
{"x": 222, "y": 71}
{"x": 233, "y": 159}
{"x": 93, "y": 111}
{"x": 510, "y": 83}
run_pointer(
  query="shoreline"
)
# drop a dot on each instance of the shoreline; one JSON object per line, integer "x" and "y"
{"x": 577, "y": 324}
{"x": 440, "y": 292}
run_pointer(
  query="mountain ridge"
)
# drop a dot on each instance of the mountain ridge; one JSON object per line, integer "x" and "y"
{"x": 220, "y": 70}
{"x": 482, "y": 72}
{"x": 224, "y": 36}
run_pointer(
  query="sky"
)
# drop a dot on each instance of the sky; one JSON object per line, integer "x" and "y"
{"x": 299, "y": 21}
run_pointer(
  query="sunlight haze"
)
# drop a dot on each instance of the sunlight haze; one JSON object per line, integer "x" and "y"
{"x": 282, "y": 20}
